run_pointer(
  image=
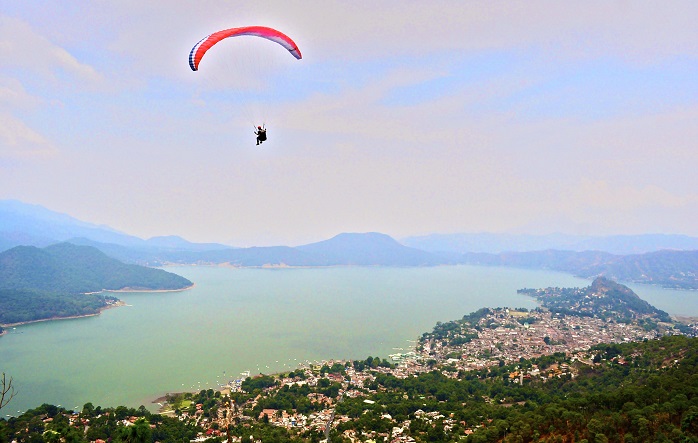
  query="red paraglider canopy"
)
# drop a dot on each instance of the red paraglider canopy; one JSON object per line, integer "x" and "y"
{"x": 207, "y": 42}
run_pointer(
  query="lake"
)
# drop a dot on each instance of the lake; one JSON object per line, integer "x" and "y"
{"x": 261, "y": 320}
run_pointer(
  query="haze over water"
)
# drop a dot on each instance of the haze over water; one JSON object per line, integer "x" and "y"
{"x": 261, "y": 320}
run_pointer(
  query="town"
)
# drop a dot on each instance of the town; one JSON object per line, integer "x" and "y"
{"x": 489, "y": 338}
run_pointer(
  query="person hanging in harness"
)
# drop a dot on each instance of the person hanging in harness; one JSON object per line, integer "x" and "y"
{"x": 261, "y": 134}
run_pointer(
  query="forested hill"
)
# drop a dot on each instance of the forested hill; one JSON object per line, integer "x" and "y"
{"x": 604, "y": 299}
{"x": 69, "y": 268}
{"x": 57, "y": 282}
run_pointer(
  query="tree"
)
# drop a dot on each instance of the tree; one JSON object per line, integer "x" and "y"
{"x": 690, "y": 420}
{"x": 7, "y": 391}
{"x": 139, "y": 432}
{"x": 88, "y": 409}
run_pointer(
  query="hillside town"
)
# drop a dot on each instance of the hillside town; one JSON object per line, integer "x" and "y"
{"x": 510, "y": 335}
{"x": 497, "y": 337}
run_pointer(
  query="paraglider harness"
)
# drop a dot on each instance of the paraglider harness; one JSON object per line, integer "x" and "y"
{"x": 261, "y": 133}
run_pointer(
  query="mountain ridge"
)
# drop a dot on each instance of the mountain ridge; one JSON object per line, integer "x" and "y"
{"x": 500, "y": 243}
{"x": 369, "y": 248}
{"x": 64, "y": 267}
{"x": 669, "y": 268}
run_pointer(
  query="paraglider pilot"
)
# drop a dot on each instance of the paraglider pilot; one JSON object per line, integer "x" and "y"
{"x": 261, "y": 134}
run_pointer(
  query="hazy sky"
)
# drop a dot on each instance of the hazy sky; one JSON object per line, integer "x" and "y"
{"x": 403, "y": 117}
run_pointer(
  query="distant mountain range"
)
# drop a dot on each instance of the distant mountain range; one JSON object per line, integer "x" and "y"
{"x": 671, "y": 269}
{"x": 669, "y": 260}
{"x": 499, "y": 243}
{"x": 23, "y": 224}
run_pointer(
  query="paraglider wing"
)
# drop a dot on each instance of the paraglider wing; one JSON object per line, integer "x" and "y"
{"x": 207, "y": 42}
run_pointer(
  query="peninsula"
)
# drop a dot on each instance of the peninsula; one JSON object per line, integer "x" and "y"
{"x": 67, "y": 281}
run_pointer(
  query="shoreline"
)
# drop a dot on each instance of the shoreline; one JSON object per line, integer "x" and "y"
{"x": 132, "y": 290}
{"x": 277, "y": 266}
{"x": 72, "y": 317}
{"x": 118, "y": 304}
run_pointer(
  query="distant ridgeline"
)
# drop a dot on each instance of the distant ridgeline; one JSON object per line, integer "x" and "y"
{"x": 670, "y": 261}
{"x": 670, "y": 269}
{"x": 59, "y": 281}
{"x": 604, "y": 299}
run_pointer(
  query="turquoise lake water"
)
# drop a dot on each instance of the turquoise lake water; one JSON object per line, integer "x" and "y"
{"x": 257, "y": 320}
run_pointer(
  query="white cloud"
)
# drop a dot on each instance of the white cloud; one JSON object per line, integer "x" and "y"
{"x": 18, "y": 141}
{"x": 14, "y": 96}
{"x": 642, "y": 31}
{"x": 156, "y": 36}
{"x": 24, "y": 48}
{"x": 390, "y": 122}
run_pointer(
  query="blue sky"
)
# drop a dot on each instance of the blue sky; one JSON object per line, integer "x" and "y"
{"x": 403, "y": 117}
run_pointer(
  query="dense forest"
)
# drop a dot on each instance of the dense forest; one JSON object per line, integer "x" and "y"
{"x": 636, "y": 392}
{"x": 18, "y": 306}
{"x": 59, "y": 281}
{"x": 49, "y": 423}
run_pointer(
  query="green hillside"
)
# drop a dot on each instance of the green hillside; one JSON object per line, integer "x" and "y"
{"x": 59, "y": 281}
{"x": 69, "y": 268}
{"x": 604, "y": 298}
{"x": 19, "y": 306}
